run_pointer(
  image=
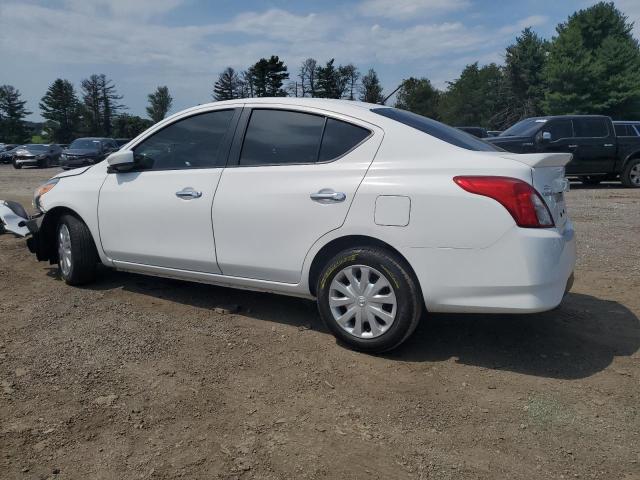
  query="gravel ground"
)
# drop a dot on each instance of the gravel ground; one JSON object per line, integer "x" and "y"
{"x": 140, "y": 377}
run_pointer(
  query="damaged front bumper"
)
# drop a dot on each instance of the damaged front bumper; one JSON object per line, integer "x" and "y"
{"x": 15, "y": 219}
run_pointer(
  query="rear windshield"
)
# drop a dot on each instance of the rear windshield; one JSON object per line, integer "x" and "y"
{"x": 439, "y": 130}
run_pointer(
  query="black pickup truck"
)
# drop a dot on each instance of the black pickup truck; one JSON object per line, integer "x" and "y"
{"x": 598, "y": 152}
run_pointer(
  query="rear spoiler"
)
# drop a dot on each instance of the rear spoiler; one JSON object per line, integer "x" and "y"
{"x": 540, "y": 159}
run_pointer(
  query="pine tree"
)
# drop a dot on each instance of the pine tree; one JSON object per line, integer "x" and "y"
{"x": 228, "y": 86}
{"x": 418, "y": 96}
{"x": 477, "y": 98}
{"x": 524, "y": 64}
{"x": 160, "y": 103}
{"x": 100, "y": 104}
{"x": 266, "y": 77}
{"x": 12, "y": 114}
{"x": 328, "y": 81}
{"x": 61, "y": 107}
{"x": 594, "y": 65}
{"x": 371, "y": 90}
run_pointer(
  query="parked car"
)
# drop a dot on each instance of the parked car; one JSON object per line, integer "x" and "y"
{"x": 375, "y": 212}
{"x": 36, "y": 155}
{"x": 87, "y": 151}
{"x": 7, "y": 155}
{"x": 598, "y": 153}
{"x": 122, "y": 141}
{"x": 475, "y": 131}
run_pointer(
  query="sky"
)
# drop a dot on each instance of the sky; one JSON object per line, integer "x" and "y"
{"x": 185, "y": 44}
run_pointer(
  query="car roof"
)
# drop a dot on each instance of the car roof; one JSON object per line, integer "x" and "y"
{"x": 634, "y": 122}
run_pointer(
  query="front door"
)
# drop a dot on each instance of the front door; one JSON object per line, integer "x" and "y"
{"x": 159, "y": 214}
{"x": 295, "y": 176}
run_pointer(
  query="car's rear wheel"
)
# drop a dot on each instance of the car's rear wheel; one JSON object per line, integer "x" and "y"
{"x": 369, "y": 299}
{"x": 631, "y": 175}
{"x": 77, "y": 256}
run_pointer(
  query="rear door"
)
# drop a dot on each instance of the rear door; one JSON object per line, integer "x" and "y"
{"x": 160, "y": 213}
{"x": 291, "y": 178}
{"x": 596, "y": 145}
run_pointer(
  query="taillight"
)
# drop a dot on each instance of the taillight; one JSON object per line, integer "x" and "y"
{"x": 525, "y": 205}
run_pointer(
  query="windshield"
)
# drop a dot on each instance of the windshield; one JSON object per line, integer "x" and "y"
{"x": 524, "y": 128}
{"x": 85, "y": 144}
{"x": 36, "y": 147}
{"x": 436, "y": 129}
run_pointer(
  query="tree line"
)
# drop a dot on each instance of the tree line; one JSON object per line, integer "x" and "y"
{"x": 591, "y": 66}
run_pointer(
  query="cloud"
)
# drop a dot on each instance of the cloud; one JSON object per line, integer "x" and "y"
{"x": 139, "y": 51}
{"x": 530, "y": 21}
{"x": 408, "y": 9}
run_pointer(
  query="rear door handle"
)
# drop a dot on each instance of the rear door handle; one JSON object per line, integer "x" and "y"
{"x": 327, "y": 195}
{"x": 572, "y": 146}
{"x": 608, "y": 144}
{"x": 188, "y": 193}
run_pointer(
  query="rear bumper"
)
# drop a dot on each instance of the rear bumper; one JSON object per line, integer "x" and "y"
{"x": 525, "y": 271}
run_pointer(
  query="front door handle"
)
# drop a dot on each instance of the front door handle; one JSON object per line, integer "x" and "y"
{"x": 327, "y": 195}
{"x": 608, "y": 145}
{"x": 188, "y": 193}
{"x": 572, "y": 146}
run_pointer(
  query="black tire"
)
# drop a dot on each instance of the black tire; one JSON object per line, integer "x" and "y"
{"x": 405, "y": 287}
{"x": 593, "y": 181}
{"x": 17, "y": 165}
{"x": 630, "y": 174}
{"x": 84, "y": 257}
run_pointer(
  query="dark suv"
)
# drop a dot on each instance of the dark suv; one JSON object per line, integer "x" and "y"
{"x": 87, "y": 151}
{"x": 599, "y": 152}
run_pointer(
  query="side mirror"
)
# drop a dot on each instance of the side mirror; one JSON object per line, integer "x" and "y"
{"x": 546, "y": 137}
{"x": 120, "y": 161}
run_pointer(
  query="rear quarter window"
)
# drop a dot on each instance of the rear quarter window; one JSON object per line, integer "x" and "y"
{"x": 436, "y": 129}
{"x": 339, "y": 138}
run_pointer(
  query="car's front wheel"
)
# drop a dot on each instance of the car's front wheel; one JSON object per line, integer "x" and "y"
{"x": 17, "y": 165}
{"x": 77, "y": 256}
{"x": 369, "y": 299}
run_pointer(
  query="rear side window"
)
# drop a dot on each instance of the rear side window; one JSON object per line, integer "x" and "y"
{"x": 559, "y": 129}
{"x": 436, "y": 129}
{"x": 625, "y": 130}
{"x": 278, "y": 137}
{"x": 193, "y": 142}
{"x": 283, "y": 137}
{"x": 340, "y": 137}
{"x": 590, "y": 127}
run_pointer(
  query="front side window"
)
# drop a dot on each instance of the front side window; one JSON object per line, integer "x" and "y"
{"x": 591, "y": 127}
{"x": 193, "y": 142}
{"x": 559, "y": 129}
{"x": 280, "y": 137}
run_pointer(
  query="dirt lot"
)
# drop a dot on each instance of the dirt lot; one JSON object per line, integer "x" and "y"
{"x": 139, "y": 377}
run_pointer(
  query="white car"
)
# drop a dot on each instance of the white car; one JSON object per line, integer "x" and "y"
{"x": 376, "y": 212}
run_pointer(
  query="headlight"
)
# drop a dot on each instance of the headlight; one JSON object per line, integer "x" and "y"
{"x": 41, "y": 190}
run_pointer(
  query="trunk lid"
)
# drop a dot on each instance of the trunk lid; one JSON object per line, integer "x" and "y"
{"x": 548, "y": 178}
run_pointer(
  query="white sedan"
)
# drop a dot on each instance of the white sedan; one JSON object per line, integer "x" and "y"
{"x": 378, "y": 213}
